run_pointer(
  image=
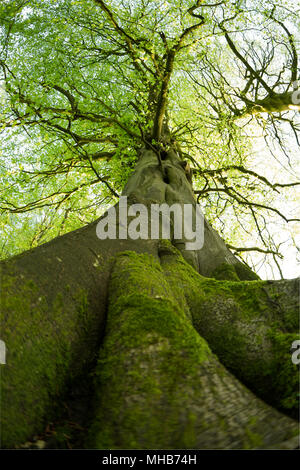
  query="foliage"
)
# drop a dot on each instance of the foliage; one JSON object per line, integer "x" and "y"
{"x": 84, "y": 88}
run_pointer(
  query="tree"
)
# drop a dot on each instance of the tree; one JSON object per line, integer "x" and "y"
{"x": 195, "y": 349}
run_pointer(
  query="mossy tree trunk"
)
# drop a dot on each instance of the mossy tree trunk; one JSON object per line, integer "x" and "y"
{"x": 186, "y": 349}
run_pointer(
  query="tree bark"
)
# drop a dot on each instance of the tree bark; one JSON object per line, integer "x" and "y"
{"x": 150, "y": 311}
{"x": 158, "y": 383}
{"x": 275, "y": 103}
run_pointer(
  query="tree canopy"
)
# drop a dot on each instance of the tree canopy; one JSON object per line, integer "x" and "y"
{"x": 137, "y": 341}
{"x": 86, "y": 84}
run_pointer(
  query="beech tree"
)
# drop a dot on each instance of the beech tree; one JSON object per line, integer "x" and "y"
{"x": 142, "y": 344}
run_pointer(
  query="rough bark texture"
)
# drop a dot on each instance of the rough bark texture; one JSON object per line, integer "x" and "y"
{"x": 158, "y": 383}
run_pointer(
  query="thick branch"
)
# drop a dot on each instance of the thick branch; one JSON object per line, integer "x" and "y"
{"x": 163, "y": 95}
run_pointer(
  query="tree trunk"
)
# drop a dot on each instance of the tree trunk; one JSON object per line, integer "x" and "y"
{"x": 158, "y": 317}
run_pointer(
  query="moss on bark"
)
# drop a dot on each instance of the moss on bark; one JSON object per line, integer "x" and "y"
{"x": 48, "y": 345}
{"x": 234, "y": 272}
{"x": 250, "y": 326}
{"x": 158, "y": 384}
{"x": 225, "y": 271}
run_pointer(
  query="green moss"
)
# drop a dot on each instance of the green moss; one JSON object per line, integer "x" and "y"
{"x": 158, "y": 384}
{"x": 46, "y": 347}
{"x": 253, "y": 440}
{"x": 151, "y": 340}
{"x": 284, "y": 298}
{"x": 285, "y": 373}
{"x": 245, "y": 273}
{"x": 240, "y": 328}
{"x": 237, "y": 319}
{"x": 156, "y": 349}
{"x": 225, "y": 271}
{"x": 189, "y": 434}
{"x": 83, "y": 311}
